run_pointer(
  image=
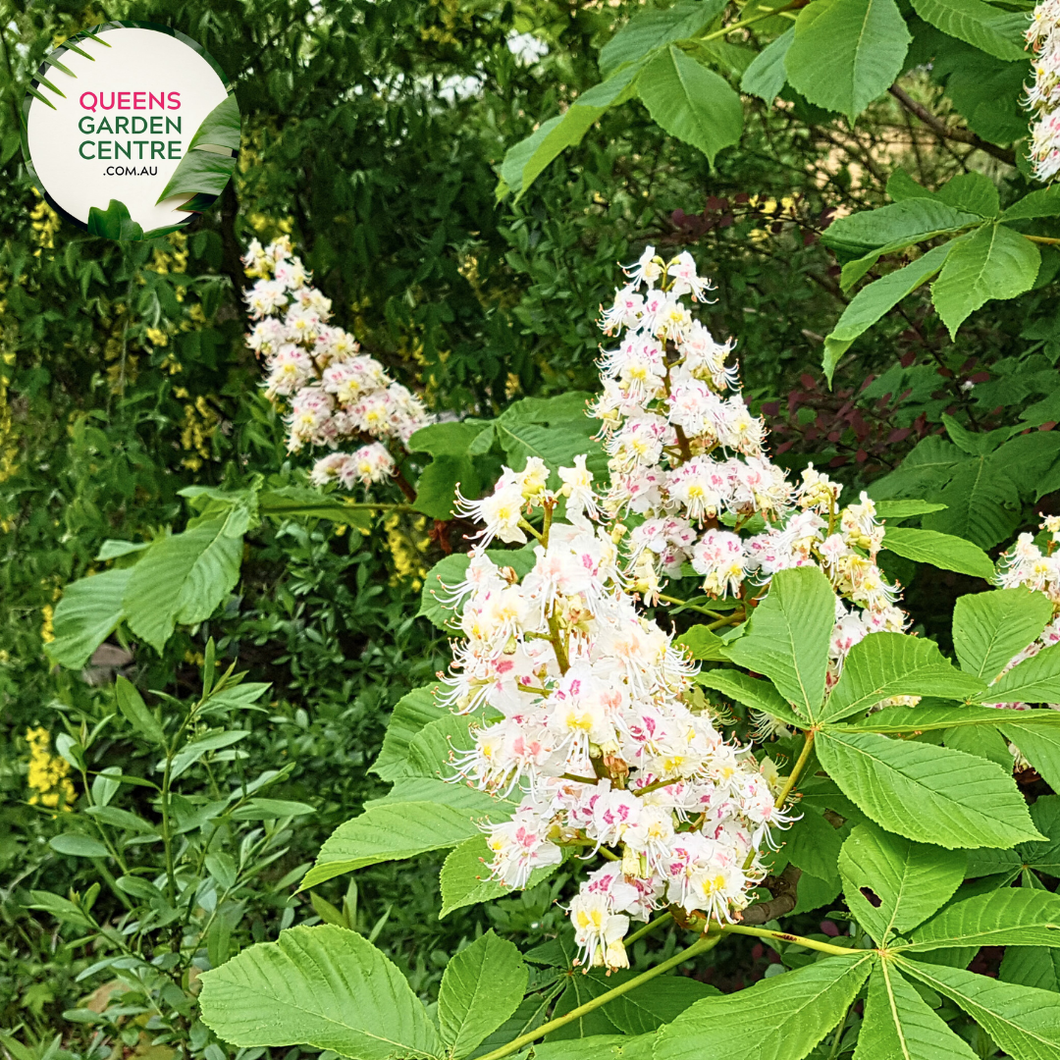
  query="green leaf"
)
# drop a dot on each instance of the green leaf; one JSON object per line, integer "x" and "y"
{"x": 446, "y": 439}
{"x": 525, "y": 161}
{"x": 814, "y": 846}
{"x": 113, "y": 223}
{"x": 1035, "y": 680}
{"x": 1041, "y": 747}
{"x": 1042, "y": 203}
{"x": 846, "y": 53}
{"x": 464, "y": 877}
{"x": 691, "y": 102}
{"x": 131, "y": 704}
{"x": 192, "y": 752}
{"x": 879, "y": 297}
{"x": 292, "y": 501}
{"x": 658, "y": 1001}
{"x": 884, "y": 664}
{"x": 896, "y": 225}
{"x": 745, "y": 1025}
{"x": 994, "y": 262}
{"x": 88, "y": 613}
{"x": 990, "y": 628}
{"x": 651, "y": 29}
{"x": 892, "y": 883}
{"x": 481, "y": 987}
{"x": 437, "y": 486}
{"x": 751, "y": 692}
{"x": 899, "y": 1025}
{"x": 1023, "y": 1021}
{"x": 322, "y": 986}
{"x": 766, "y": 75}
{"x": 202, "y": 171}
{"x": 1010, "y": 916}
{"x": 271, "y": 809}
{"x": 982, "y": 502}
{"x": 892, "y": 511}
{"x": 788, "y": 636}
{"x": 972, "y": 191}
{"x": 703, "y": 643}
{"x": 183, "y": 578}
{"x": 926, "y": 793}
{"x": 412, "y": 713}
{"x": 940, "y": 550}
{"x": 390, "y": 832}
{"x": 1027, "y": 967}
{"x": 984, "y": 27}
{"x": 932, "y": 718}
{"x": 598, "y": 1047}
{"x": 78, "y": 846}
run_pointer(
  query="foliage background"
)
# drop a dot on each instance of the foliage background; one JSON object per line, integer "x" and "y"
{"x": 372, "y": 133}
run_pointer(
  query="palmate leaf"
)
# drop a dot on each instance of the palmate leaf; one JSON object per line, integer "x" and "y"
{"x": 897, "y": 224}
{"x": 1011, "y": 916}
{"x": 990, "y": 628}
{"x": 746, "y": 1025}
{"x": 322, "y": 986}
{"x": 692, "y": 102}
{"x": 899, "y": 1025}
{"x": 892, "y": 883}
{"x": 788, "y": 636}
{"x": 846, "y": 53}
{"x": 892, "y": 664}
{"x": 481, "y": 987}
{"x": 1025, "y": 1022}
{"x": 982, "y": 501}
{"x": 926, "y": 793}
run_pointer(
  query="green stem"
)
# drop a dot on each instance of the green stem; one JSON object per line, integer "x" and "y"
{"x": 691, "y": 607}
{"x": 784, "y": 936}
{"x": 834, "y": 1051}
{"x": 558, "y": 644}
{"x": 699, "y": 946}
{"x": 726, "y": 30}
{"x": 647, "y": 929}
{"x": 798, "y": 768}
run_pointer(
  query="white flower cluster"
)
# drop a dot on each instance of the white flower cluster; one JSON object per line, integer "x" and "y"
{"x": 595, "y": 730}
{"x": 688, "y": 466}
{"x": 1026, "y": 565}
{"x": 335, "y": 394}
{"x": 1043, "y": 97}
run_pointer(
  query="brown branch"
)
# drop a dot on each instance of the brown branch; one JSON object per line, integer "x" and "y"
{"x": 232, "y": 260}
{"x": 943, "y": 131}
{"x": 784, "y": 889}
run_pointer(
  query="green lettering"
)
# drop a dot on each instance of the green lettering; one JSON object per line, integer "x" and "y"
{"x": 101, "y": 146}
{"x": 174, "y": 146}
{"x": 159, "y": 147}
{"x": 172, "y": 125}
{"x": 81, "y": 149}
{"x": 121, "y": 124}
{"x": 156, "y": 125}
{"x": 104, "y": 126}
{"x": 119, "y": 151}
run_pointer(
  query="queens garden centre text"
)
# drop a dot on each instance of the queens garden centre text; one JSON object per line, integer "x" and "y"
{"x": 129, "y": 125}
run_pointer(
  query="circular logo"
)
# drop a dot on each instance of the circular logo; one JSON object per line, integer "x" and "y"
{"x": 131, "y": 129}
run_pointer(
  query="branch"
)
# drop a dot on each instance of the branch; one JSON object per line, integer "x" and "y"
{"x": 784, "y": 889}
{"x": 942, "y": 130}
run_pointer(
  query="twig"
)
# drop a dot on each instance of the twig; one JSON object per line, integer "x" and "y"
{"x": 943, "y": 131}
